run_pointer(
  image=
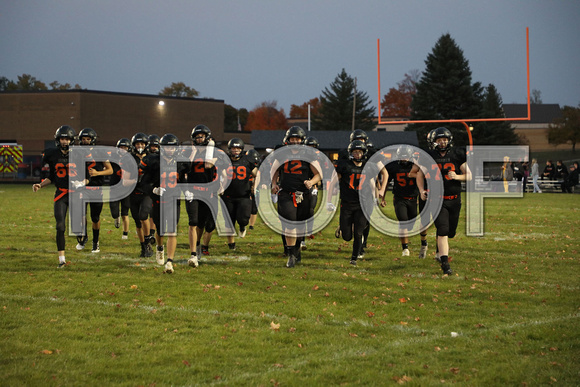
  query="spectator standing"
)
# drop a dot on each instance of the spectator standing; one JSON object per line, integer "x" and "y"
{"x": 571, "y": 179}
{"x": 536, "y": 175}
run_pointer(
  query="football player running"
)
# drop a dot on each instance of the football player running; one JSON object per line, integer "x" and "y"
{"x": 59, "y": 174}
{"x": 452, "y": 162}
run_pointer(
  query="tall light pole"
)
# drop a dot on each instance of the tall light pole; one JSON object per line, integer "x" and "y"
{"x": 354, "y": 104}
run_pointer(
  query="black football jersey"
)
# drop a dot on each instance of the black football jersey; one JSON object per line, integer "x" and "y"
{"x": 451, "y": 161}
{"x": 155, "y": 176}
{"x": 292, "y": 174}
{"x": 351, "y": 180}
{"x": 60, "y": 170}
{"x": 94, "y": 181}
{"x": 403, "y": 185}
{"x": 240, "y": 176}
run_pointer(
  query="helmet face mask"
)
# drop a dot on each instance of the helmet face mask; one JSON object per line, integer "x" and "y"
{"x": 64, "y": 132}
{"x": 125, "y": 144}
{"x": 169, "y": 142}
{"x": 140, "y": 142}
{"x": 88, "y": 136}
{"x": 404, "y": 154}
{"x": 296, "y": 133}
{"x": 312, "y": 142}
{"x": 200, "y": 135}
{"x": 440, "y": 139}
{"x": 353, "y": 147}
{"x": 236, "y": 148}
{"x": 153, "y": 143}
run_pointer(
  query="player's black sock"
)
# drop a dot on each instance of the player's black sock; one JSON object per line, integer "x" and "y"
{"x": 405, "y": 246}
{"x": 125, "y": 233}
{"x": 444, "y": 259}
{"x": 424, "y": 242}
{"x": 96, "y": 235}
{"x": 160, "y": 248}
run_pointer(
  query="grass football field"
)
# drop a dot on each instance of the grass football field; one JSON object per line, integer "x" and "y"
{"x": 112, "y": 318}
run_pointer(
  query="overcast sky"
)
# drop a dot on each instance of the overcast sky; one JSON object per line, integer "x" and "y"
{"x": 249, "y": 51}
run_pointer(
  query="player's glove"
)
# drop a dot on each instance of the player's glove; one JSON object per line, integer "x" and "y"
{"x": 78, "y": 184}
{"x": 158, "y": 191}
{"x": 211, "y": 142}
{"x": 314, "y": 191}
{"x": 188, "y": 196}
{"x": 330, "y": 207}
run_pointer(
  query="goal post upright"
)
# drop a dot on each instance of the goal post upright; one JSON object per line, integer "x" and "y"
{"x": 463, "y": 121}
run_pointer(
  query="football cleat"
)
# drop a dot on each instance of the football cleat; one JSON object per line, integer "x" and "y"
{"x": 125, "y": 237}
{"x": 446, "y": 269}
{"x": 192, "y": 261}
{"x": 291, "y": 261}
{"x": 117, "y": 222}
{"x": 243, "y": 233}
{"x": 423, "y": 252}
{"x": 168, "y": 268}
{"x": 303, "y": 245}
{"x": 353, "y": 262}
{"x": 61, "y": 265}
{"x": 205, "y": 250}
{"x": 406, "y": 253}
{"x": 96, "y": 248}
{"x": 82, "y": 241}
{"x": 160, "y": 257}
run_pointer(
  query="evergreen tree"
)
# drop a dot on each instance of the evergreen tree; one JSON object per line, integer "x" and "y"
{"x": 336, "y": 104}
{"x": 445, "y": 91}
{"x": 493, "y": 132}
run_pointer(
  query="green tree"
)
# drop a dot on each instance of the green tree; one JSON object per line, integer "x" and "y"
{"x": 4, "y": 82}
{"x": 58, "y": 86}
{"x": 234, "y": 117}
{"x": 26, "y": 82}
{"x": 336, "y": 107}
{"x": 493, "y": 132}
{"x": 445, "y": 91}
{"x": 179, "y": 89}
{"x": 566, "y": 129}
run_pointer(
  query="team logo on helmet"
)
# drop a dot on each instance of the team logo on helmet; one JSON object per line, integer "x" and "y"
{"x": 357, "y": 145}
{"x": 64, "y": 131}
{"x": 90, "y": 133}
{"x": 359, "y": 134}
{"x": 199, "y": 130}
{"x": 295, "y": 132}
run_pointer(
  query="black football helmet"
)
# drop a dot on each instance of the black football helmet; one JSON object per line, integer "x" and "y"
{"x": 253, "y": 156}
{"x": 440, "y": 132}
{"x": 169, "y": 139}
{"x": 124, "y": 142}
{"x": 64, "y": 131}
{"x": 404, "y": 154}
{"x": 359, "y": 134}
{"x": 201, "y": 129}
{"x": 295, "y": 131}
{"x": 236, "y": 143}
{"x": 370, "y": 145}
{"x": 140, "y": 137}
{"x": 88, "y": 132}
{"x": 153, "y": 141}
{"x": 311, "y": 141}
{"x": 357, "y": 145}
